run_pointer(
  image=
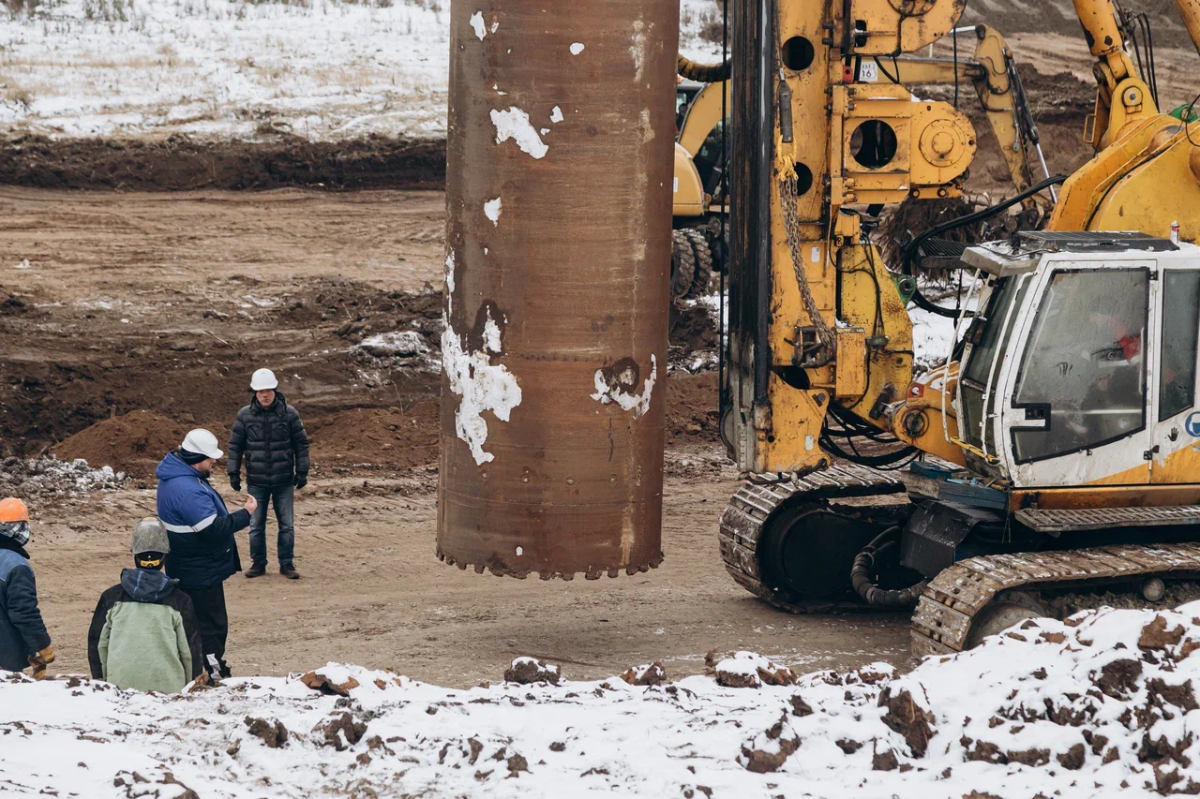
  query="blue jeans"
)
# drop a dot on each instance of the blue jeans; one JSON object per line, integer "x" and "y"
{"x": 283, "y": 498}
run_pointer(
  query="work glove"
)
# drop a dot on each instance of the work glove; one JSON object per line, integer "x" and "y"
{"x": 301, "y": 480}
{"x": 39, "y": 661}
{"x": 235, "y": 481}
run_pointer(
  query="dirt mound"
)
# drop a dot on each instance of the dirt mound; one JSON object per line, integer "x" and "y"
{"x": 693, "y": 408}
{"x": 384, "y": 436}
{"x": 183, "y": 163}
{"x": 132, "y": 443}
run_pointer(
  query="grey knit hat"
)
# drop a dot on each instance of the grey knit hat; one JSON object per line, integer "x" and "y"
{"x": 150, "y": 536}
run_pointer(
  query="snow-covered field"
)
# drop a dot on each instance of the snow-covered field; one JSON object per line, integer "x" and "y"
{"x": 322, "y": 69}
{"x": 1100, "y": 705}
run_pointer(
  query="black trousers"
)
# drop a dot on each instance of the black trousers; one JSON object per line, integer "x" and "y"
{"x": 213, "y": 618}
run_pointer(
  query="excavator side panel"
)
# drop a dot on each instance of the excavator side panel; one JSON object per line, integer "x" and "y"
{"x": 1136, "y": 200}
{"x": 688, "y": 192}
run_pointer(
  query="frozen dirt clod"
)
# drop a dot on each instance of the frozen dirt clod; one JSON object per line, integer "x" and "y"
{"x": 651, "y": 674}
{"x": 44, "y": 478}
{"x": 271, "y": 733}
{"x": 751, "y": 670}
{"x": 769, "y": 750}
{"x": 341, "y": 731}
{"x": 527, "y": 671}
{"x": 339, "y": 685}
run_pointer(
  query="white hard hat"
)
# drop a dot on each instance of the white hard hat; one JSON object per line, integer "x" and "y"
{"x": 202, "y": 442}
{"x": 262, "y": 380}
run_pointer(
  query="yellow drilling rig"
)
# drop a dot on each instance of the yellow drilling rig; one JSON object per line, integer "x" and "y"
{"x": 1064, "y": 420}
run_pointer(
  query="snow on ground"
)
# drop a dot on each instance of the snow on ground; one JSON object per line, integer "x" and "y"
{"x": 1100, "y": 705}
{"x": 322, "y": 69}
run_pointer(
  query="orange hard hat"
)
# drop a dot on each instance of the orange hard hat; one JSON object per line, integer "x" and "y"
{"x": 13, "y": 510}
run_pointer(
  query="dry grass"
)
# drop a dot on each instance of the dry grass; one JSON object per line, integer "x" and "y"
{"x": 14, "y": 93}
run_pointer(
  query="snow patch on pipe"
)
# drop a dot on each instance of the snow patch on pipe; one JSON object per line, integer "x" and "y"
{"x": 482, "y": 385}
{"x": 556, "y": 115}
{"x": 492, "y": 209}
{"x": 513, "y": 123}
{"x": 479, "y": 26}
{"x": 577, "y": 48}
{"x": 615, "y": 388}
{"x": 647, "y": 126}
{"x": 638, "y": 51}
{"x": 449, "y": 274}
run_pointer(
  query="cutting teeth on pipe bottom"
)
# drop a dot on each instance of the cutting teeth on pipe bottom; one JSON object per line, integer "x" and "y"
{"x": 501, "y": 570}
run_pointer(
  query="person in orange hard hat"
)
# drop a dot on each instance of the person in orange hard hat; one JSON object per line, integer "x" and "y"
{"x": 24, "y": 640}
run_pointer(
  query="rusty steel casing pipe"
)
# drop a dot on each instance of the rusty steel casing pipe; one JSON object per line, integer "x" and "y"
{"x": 558, "y": 248}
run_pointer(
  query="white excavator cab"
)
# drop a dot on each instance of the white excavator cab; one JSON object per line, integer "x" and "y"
{"x": 1080, "y": 369}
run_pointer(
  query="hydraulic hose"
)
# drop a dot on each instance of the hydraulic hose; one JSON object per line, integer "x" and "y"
{"x": 872, "y": 594}
{"x": 704, "y": 73}
{"x": 910, "y": 249}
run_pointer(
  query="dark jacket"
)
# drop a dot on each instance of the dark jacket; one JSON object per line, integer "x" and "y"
{"x": 200, "y": 528}
{"x": 144, "y": 634}
{"x": 22, "y": 631}
{"x": 272, "y": 442}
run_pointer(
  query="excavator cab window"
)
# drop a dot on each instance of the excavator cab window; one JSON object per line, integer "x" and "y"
{"x": 1181, "y": 318}
{"x": 989, "y": 337}
{"x": 1083, "y": 373}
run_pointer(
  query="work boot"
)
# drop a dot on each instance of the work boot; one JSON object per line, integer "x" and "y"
{"x": 289, "y": 571}
{"x": 256, "y": 571}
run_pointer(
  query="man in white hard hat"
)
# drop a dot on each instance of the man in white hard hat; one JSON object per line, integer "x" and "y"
{"x": 270, "y": 438}
{"x": 201, "y": 533}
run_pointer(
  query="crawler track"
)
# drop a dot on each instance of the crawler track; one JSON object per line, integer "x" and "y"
{"x": 748, "y": 511}
{"x": 954, "y": 598}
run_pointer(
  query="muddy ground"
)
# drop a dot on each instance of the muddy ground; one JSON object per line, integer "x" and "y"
{"x": 141, "y": 315}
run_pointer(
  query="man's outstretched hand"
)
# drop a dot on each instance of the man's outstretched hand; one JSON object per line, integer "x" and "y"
{"x": 251, "y": 505}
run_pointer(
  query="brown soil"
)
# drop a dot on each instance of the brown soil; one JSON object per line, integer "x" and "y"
{"x": 692, "y": 409}
{"x": 401, "y": 439}
{"x": 167, "y": 303}
{"x": 181, "y": 163}
{"x": 133, "y": 443}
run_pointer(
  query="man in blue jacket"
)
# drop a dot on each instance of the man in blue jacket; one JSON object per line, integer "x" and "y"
{"x": 201, "y": 531}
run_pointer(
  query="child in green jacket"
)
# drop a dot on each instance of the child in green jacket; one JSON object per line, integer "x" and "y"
{"x": 144, "y": 633}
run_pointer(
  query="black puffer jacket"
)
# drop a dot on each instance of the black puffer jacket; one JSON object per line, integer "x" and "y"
{"x": 272, "y": 441}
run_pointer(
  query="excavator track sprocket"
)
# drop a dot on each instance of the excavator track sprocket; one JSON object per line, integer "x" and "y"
{"x": 957, "y": 597}
{"x": 757, "y": 503}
